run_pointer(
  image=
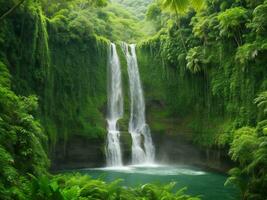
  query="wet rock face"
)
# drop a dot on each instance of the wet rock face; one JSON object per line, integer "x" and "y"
{"x": 81, "y": 152}
{"x": 175, "y": 149}
{"x": 78, "y": 152}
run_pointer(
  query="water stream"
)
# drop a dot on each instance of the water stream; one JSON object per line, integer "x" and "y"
{"x": 143, "y": 150}
{"x": 115, "y": 108}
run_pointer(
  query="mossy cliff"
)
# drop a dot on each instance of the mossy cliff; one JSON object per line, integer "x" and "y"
{"x": 65, "y": 68}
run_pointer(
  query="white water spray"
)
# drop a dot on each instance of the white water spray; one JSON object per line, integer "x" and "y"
{"x": 115, "y": 108}
{"x": 143, "y": 150}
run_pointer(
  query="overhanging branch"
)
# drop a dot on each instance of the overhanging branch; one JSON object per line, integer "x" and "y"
{"x": 10, "y": 10}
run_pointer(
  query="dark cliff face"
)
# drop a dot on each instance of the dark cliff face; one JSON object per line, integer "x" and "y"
{"x": 78, "y": 152}
{"x": 81, "y": 152}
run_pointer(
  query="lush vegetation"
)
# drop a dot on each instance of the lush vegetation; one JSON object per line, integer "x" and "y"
{"x": 213, "y": 74}
{"x": 202, "y": 63}
{"x": 44, "y": 60}
{"x": 76, "y": 186}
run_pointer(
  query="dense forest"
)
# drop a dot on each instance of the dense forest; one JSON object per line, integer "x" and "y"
{"x": 203, "y": 66}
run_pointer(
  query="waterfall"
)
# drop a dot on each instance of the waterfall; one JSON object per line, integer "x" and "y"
{"x": 143, "y": 150}
{"x": 115, "y": 108}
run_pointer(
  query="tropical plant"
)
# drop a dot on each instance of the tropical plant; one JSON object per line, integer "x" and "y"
{"x": 195, "y": 60}
{"x": 232, "y": 21}
{"x": 259, "y": 24}
{"x": 249, "y": 148}
{"x": 182, "y": 6}
{"x": 238, "y": 178}
{"x": 261, "y": 101}
{"x": 77, "y": 186}
{"x": 244, "y": 142}
{"x": 22, "y": 140}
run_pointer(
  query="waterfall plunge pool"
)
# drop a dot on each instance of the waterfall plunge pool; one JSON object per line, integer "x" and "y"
{"x": 210, "y": 185}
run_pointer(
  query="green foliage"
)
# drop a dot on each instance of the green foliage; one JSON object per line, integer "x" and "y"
{"x": 259, "y": 24}
{"x": 205, "y": 26}
{"x": 136, "y": 7}
{"x": 239, "y": 179}
{"x": 5, "y": 76}
{"x": 247, "y": 52}
{"x": 261, "y": 101}
{"x": 44, "y": 189}
{"x": 221, "y": 97}
{"x": 81, "y": 187}
{"x": 56, "y": 50}
{"x": 21, "y": 139}
{"x": 98, "y": 3}
{"x": 71, "y": 92}
{"x": 244, "y": 142}
{"x": 8, "y": 172}
{"x": 70, "y": 82}
{"x": 232, "y": 21}
{"x": 153, "y": 12}
{"x": 76, "y": 186}
{"x": 72, "y": 3}
{"x": 225, "y": 84}
{"x": 112, "y": 21}
{"x": 250, "y": 150}
{"x": 194, "y": 60}
{"x": 181, "y": 6}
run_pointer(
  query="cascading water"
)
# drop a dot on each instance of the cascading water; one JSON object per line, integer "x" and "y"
{"x": 115, "y": 108}
{"x": 139, "y": 130}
